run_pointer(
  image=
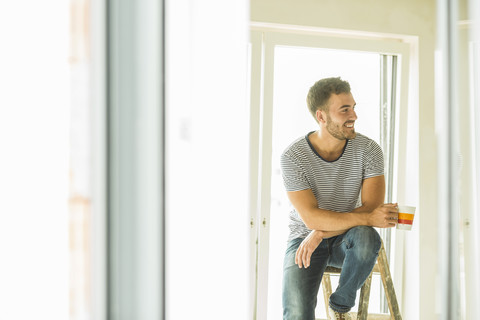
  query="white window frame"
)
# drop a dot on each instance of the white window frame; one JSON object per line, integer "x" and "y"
{"x": 128, "y": 201}
{"x": 264, "y": 38}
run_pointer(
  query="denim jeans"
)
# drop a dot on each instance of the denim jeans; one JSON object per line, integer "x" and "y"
{"x": 354, "y": 251}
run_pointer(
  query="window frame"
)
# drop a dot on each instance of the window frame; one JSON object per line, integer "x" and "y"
{"x": 264, "y": 38}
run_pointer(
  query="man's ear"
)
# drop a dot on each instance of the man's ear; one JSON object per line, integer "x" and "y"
{"x": 321, "y": 116}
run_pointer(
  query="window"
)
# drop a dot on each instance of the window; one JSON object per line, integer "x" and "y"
{"x": 34, "y": 170}
{"x": 291, "y": 64}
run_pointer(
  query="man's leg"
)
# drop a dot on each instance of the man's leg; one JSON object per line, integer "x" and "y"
{"x": 300, "y": 286}
{"x": 355, "y": 252}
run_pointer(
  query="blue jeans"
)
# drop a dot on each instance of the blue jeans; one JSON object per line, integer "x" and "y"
{"x": 354, "y": 251}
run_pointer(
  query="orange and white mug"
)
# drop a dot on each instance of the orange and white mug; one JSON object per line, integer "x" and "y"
{"x": 405, "y": 217}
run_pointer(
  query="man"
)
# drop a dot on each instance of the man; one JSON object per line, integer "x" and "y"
{"x": 325, "y": 174}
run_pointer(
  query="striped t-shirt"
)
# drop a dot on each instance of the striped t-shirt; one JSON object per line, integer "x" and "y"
{"x": 335, "y": 184}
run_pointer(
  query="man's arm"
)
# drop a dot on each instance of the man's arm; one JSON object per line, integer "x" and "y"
{"x": 371, "y": 213}
{"x": 373, "y": 193}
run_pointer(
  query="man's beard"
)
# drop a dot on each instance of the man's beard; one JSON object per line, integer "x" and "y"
{"x": 336, "y": 130}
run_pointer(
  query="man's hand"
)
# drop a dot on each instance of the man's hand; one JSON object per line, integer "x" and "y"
{"x": 307, "y": 247}
{"x": 384, "y": 216}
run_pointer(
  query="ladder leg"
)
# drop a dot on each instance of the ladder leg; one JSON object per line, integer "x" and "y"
{"x": 388, "y": 285}
{"x": 364, "y": 299}
{"x": 327, "y": 291}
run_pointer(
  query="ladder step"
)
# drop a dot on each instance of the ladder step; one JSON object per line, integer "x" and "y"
{"x": 370, "y": 316}
{"x": 375, "y": 316}
{"x": 333, "y": 270}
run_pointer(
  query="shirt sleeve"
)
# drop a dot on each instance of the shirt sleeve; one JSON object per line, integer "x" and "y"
{"x": 373, "y": 161}
{"x": 294, "y": 177}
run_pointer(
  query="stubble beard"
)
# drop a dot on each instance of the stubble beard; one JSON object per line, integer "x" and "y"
{"x": 337, "y": 131}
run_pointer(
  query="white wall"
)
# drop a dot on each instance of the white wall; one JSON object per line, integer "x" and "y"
{"x": 415, "y": 18}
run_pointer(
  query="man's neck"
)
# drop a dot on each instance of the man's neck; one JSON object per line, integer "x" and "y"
{"x": 328, "y": 147}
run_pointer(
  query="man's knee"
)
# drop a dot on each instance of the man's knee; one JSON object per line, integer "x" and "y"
{"x": 365, "y": 240}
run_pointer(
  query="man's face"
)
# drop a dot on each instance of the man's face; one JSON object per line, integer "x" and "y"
{"x": 341, "y": 116}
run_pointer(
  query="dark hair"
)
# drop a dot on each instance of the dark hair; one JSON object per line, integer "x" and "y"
{"x": 320, "y": 93}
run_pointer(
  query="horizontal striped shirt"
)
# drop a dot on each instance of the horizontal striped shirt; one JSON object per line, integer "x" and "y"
{"x": 335, "y": 184}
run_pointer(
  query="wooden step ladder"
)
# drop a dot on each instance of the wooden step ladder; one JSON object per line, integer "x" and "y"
{"x": 383, "y": 269}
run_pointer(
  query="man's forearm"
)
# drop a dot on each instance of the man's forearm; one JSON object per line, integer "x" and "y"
{"x": 316, "y": 218}
{"x": 384, "y": 216}
{"x": 367, "y": 207}
{"x": 329, "y": 234}
{"x": 331, "y": 221}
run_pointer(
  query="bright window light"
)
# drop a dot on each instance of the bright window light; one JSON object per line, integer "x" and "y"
{"x": 34, "y": 138}
{"x": 296, "y": 70}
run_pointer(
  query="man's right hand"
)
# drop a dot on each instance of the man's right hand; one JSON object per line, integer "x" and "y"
{"x": 384, "y": 216}
{"x": 307, "y": 247}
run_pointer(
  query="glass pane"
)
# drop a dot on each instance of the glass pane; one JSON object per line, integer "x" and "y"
{"x": 296, "y": 69}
